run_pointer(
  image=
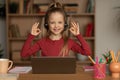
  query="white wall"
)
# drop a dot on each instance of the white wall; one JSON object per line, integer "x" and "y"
{"x": 107, "y": 31}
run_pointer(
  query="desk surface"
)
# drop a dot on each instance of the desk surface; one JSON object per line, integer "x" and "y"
{"x": 80, "y": 75}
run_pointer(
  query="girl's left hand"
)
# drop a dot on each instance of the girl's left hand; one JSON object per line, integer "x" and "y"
{"x": 74, "y": 29}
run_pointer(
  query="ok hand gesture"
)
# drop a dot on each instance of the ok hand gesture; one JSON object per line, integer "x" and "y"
{"x": 35, "y": 30}
{"x": 74, "y": 29}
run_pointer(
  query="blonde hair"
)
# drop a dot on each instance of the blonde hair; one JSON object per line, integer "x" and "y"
{"x": 57, "y": 7}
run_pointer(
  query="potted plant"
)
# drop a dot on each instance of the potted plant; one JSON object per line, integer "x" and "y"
{"x": 108, "y": 59}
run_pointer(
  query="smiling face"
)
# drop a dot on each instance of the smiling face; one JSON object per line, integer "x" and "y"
{"x": 56, "y": 23}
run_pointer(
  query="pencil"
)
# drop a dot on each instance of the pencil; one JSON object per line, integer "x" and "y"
{"x": 91, "y": 59}
{"x": 113, "y": 56}
{"x": 117, "y": 56}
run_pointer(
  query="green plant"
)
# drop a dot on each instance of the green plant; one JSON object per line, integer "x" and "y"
{"x": 1, "y": 51}
{"x": 107, "y": 57}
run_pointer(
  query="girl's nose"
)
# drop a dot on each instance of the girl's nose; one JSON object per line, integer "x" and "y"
{"x": 56, "y": 25}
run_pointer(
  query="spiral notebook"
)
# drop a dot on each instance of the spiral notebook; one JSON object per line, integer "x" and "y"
{"x": 53, "y": 65}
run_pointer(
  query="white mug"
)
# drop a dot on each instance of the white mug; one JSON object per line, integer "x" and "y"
{"x": 5, "y": 65}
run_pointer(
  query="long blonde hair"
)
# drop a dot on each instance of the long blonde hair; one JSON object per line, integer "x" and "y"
{"x": 57, "y": 7}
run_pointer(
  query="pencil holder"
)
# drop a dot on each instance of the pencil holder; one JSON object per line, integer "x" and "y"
{"x": 100, "y": 71}
{"x": 115, "y": 69}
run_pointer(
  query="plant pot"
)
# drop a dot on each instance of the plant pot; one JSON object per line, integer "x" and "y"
{"x": 108, "y": 69}
{"x": 115, "y": 69}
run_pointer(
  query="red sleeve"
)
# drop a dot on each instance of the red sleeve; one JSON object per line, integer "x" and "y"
{"x": 27, "y": 49}
{"x": 82, "y": 48}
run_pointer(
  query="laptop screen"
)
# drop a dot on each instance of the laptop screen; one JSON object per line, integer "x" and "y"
{"x": 53, "y": 65}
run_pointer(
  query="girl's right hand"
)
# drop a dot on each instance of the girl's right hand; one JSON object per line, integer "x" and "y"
{"x": 35, "y": 30}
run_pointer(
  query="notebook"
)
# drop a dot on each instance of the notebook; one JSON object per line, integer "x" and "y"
{"x": 53, "y": 65}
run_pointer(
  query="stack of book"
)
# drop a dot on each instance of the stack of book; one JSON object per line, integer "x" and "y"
{"x": 40, "y": 8}
{"x": 71, "y": 8}
{"x": 43, "y": 8}
{"x": 88, "y": 68}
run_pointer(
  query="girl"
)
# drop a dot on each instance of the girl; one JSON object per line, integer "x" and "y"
{"x": 56, "y": 43}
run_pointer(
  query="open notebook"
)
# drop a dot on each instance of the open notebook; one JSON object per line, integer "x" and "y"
{"x": 53, "y": 65}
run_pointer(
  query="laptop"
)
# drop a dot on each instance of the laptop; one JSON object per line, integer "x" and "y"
{"x": 53, "y": 65}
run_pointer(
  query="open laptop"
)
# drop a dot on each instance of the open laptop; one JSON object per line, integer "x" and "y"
{"x": 53, "y": 65}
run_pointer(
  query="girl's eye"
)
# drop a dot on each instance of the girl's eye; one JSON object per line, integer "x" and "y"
{"x": 52, "y": 22}
{"x": 60, "y": 22}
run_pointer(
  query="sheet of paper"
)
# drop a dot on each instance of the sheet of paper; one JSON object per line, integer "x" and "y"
{"x": 21, "y": 69}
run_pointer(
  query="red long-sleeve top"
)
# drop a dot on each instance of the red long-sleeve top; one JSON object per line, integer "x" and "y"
{"x": 50, "y": 47}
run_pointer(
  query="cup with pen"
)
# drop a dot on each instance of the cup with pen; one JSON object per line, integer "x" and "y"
{"x": 99, "y": 68}
{"x": 115, "y": 65}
